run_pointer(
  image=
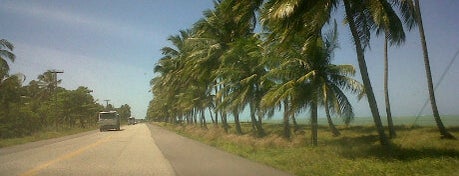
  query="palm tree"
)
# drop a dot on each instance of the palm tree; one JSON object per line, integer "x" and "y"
{"x": 283, "y": 70}
{"x": 308, "y": 16}
{"x": 6, "y": 53}
{"x": 171, "y": 81}
{"x": 210, "y": 41}
{"x": 332, "y": 94}
{"x": 383, "y": 24}
{"x": 443, "y": 132}
{"x": 215, "y": 33}
{"x": 315, "y": 81}
{"x": 328, "y": 81}
{"x": 406, "y": 9}
{"x": 242, "y": 70}
{"x": 390, "y": 123}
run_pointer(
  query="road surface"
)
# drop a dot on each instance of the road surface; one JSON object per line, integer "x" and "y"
{"x": 136, "y": 150}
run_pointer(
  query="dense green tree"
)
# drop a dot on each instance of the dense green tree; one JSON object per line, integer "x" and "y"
{"x": 10, "y": 96}
{"x": 124, "y": 111}
{"x": 78, "y": 107}
{"x": 48, "y": 82}
{"x": 40, "y": 105}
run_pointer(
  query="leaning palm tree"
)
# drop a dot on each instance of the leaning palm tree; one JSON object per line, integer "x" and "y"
{"x": 443, "y": 132}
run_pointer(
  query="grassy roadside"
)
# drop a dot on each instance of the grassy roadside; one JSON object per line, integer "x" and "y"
{"x": 416, "y": 151}
{"x": 42, "y": 136}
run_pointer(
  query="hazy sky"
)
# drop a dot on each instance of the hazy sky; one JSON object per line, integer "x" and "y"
{"x": 111, "y": 47}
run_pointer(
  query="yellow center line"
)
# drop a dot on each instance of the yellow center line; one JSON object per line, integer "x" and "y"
{"x": 69, "y": 155}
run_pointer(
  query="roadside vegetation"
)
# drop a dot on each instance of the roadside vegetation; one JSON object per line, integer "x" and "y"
{"x": 42, "y": 109}
{"x": 415, "y": 151}
{"x": 222, "y": 67}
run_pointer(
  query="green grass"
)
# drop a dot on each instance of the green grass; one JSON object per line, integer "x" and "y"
{"x": 428, "y": 120}
{"x": 42, "y": 136}
{"x": 416, "y": 150}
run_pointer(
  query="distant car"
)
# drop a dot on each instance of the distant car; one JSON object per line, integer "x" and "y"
{"x": 131, "y": 121}
{"x": 109, "y": 120}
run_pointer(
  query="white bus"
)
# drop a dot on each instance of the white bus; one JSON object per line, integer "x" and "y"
{"x": 109, "y": 120}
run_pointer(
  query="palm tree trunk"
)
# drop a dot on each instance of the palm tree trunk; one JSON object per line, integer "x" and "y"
{"x": 286, "y": 121}
{"x": 332, "y": 126}
{"x": 295, "y": 125}
{"x": 261, "y": 131}
{"x": 253, "y": 120}
{"x": 327, "y": 112}
{"x": 390, "y": 124}
{"x": 211, "y": 117}
{"x": 236, "y": 121}
{"x": 365, "y": 78}
{"x": 256, "y": 125}
{"x": 224, "y": 121}
{"x": 443, "y": 132}
{"x": 217, "y": 100}
{"x": 203, "y": 117}
{"x": 195, "y": 118}
{"x": 314, "y": 124}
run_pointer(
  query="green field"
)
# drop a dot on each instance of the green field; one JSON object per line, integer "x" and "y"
{"x": 417, "y": 150}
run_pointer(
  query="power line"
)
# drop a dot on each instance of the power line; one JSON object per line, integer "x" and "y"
{"x": 438, "y": 84}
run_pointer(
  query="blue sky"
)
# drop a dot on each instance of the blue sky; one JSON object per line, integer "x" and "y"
{"x": 111, "y": 47}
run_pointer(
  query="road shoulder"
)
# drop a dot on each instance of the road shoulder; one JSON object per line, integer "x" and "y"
{"x": 189, "y": 157}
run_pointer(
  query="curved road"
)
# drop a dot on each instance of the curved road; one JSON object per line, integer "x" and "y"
{"x": 136, "y": 150}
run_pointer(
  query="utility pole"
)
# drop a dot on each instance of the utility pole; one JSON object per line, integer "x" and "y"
{"x": 55, "y": 77}
{"x": 106, "y": 102}
{"x": 55, "y": 90}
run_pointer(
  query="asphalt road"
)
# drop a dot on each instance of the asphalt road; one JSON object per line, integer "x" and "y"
{"x": 136, "y": 150}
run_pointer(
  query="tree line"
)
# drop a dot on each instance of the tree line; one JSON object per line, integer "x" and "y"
{"x": 222, "y": 65}
{"x": 42, "y": 105}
